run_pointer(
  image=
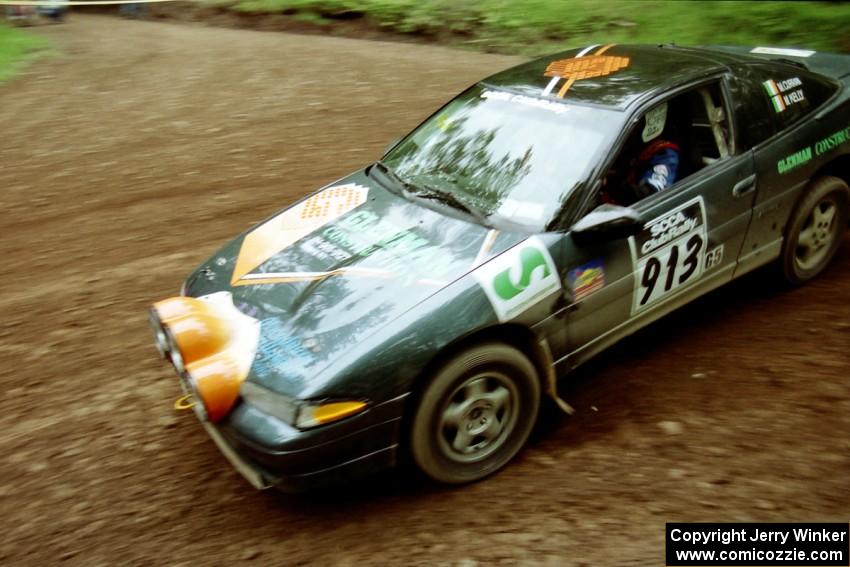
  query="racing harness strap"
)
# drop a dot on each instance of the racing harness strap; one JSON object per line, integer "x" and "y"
{"x": 716, "y": 116}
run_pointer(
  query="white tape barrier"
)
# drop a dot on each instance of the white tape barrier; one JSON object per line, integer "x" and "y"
{"x": 55, "y": 3}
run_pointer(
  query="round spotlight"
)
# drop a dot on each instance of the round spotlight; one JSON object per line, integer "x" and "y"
{"x": 174, "y": 352}
{"x": 215, "y": 383}
{"x": 160, "y": 338}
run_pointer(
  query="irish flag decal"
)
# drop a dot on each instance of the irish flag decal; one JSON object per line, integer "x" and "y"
{"x": 774, "y": 94}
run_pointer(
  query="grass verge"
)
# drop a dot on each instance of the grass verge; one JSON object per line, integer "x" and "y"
{"x": 532, "y": 26}
{"x": 17, "y": 47}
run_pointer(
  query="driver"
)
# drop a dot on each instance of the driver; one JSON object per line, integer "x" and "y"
{"x": 658, "y": 166}
{"x": 653, "y": 169}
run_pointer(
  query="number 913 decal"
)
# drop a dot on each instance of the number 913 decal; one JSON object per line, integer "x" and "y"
{"x": 669, "y": 253}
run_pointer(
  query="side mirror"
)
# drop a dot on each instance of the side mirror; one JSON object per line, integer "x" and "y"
{"x": 605, "y": 223}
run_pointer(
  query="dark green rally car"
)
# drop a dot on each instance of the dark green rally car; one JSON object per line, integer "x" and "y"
{"x": 424, "y": 305}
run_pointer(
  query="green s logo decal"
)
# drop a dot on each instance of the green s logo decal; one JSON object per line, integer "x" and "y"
{"x": 519, "y": 278}
{"x": 530, "y": 259}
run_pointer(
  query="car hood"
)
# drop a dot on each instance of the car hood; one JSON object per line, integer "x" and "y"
{"x": 335, "y": 267}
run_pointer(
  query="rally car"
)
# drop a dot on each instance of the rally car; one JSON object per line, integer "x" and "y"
{"x": 422, "y": 306}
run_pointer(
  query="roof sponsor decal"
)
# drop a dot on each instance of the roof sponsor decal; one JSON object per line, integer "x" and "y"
{"x": 519, "y": 278}
{"x": 582, "y": 67}
{"x": 783, "y": 51}
{"x": 290, "y": 226}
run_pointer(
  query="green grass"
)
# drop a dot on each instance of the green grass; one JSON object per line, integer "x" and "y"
{"x": 528, "y": 26}
{"x": 16, "y": 48}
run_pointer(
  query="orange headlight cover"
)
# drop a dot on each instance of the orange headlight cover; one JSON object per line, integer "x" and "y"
{"x": 216, "y": 380}
{"x": 200, "y": 334}
{"x": 175, "y": 307}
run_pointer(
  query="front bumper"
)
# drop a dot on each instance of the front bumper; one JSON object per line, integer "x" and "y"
{"x": 269, "y": 452}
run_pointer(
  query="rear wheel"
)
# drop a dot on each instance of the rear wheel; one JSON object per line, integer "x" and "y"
{"x": 815, "y": 230}
{"x": 475, "y": 414}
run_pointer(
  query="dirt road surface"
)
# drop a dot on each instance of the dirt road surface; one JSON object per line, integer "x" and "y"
{"x": 143, "y": 146}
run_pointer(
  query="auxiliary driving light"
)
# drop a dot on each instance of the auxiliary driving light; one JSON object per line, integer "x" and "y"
{"x": 215, "y": 380}
{"x": 160, "y": 338}
{"x": 211, "y": 345}
{"x": 199, "y": 335}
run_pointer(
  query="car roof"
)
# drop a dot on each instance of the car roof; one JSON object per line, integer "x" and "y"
{"x": 613, "y": 75}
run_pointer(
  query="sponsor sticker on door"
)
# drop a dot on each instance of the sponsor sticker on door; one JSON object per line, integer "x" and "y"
{"x": 586, "y": 279}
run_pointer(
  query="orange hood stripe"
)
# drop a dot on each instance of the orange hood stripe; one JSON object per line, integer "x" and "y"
{"x": 292, "y": 225}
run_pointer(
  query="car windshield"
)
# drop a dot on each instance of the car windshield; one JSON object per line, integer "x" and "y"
{"x": 505, "y": 155}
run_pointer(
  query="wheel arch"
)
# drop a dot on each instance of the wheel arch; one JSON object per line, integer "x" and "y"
{"x": 836, "y": 167}
{"x": 516, "y": 335}
{"x": 793, "y": 273}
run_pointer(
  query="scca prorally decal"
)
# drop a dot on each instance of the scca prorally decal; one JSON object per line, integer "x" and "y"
{"x": 669, "y": 253}
{"x": 291, "y": 225}
{"x": 519, "y": 278}
{"x": 784, "y": 93}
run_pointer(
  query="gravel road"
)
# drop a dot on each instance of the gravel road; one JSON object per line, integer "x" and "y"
{"x": 143, "y": 146}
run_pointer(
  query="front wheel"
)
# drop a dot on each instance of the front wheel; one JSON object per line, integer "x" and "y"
{"x": 815, "y": 230}
{"x": 475, "y": 414}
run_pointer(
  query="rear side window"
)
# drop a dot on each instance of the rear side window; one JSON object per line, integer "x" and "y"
{"x": 752, "y": 108}
{"x": 791, "y": 93}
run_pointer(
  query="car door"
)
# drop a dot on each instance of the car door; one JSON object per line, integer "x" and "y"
{"x": 689, "y": 242}
{"x": 778, "y": 101}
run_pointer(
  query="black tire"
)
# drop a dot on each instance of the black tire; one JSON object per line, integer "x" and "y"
{"x": 475, "y": 414}
{"x": 815, "y": 230}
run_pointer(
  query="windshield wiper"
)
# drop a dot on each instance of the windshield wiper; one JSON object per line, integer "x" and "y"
{"x": 447, "y": 198}
{"x": 429, "y": 192}
{"x": 392, "y": 175}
